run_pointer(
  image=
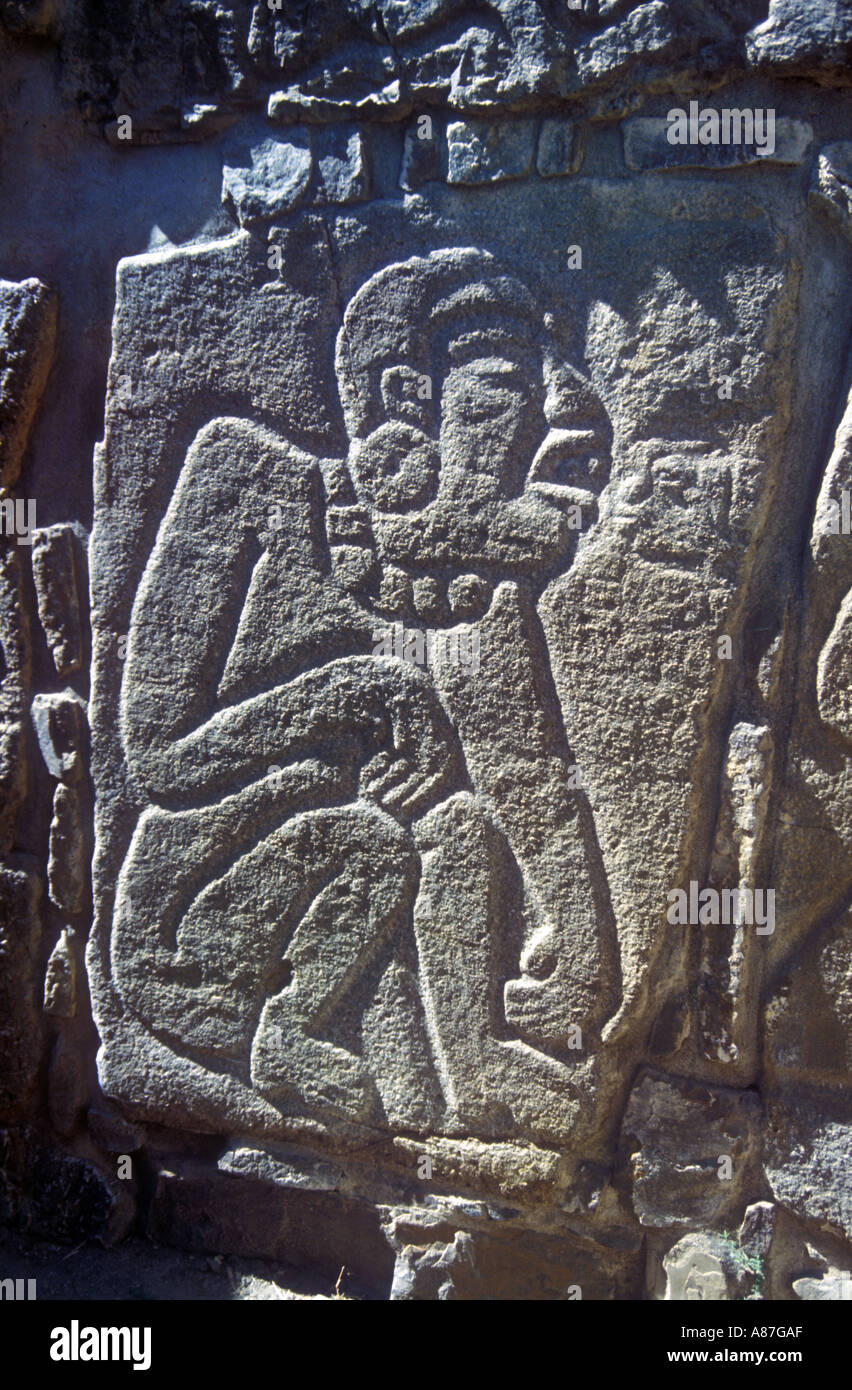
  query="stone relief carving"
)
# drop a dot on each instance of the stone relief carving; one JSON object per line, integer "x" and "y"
{"x": 469, "y": 572}
{"x": 473, "y": 448}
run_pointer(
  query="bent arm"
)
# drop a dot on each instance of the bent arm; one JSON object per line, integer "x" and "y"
{"x": 358, "y": 704}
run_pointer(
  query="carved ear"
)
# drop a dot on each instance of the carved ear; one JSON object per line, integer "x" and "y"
{"x": 407, "y": 395}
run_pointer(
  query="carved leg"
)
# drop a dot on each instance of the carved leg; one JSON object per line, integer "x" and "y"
{"x": 176, "y": 967}
{"x": 492, "y": 1082}
{"x": 359, "y": 870}
{"x": 210, "y": 921}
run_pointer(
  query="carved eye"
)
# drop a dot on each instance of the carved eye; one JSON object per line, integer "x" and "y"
{"x": 487, "y": 389}
{"x": 486, "y": 402}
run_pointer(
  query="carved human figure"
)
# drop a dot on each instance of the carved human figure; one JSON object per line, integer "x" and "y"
{"x": 252, "y": 900}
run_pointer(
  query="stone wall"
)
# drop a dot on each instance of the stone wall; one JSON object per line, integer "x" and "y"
{"x": 425, "y": 714}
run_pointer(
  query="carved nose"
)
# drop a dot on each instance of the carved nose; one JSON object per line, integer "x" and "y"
{"x": 571, "y": 461}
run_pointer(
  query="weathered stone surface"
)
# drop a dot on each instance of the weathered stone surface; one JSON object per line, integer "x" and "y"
{"x": 67, "y": 855}
{"x": 757, "y": 1230}
{"x": 808, "y": 1059}
{"x": 281, "y": 1202}
{"x": 27, "y": 334}
{"x": 560, "y": 147}
{"x": 196, "y": 1209}
{"x": 647, "y": 145}
{"x": 59, "y": 1197}
{"x": 815, "y": 987}
{"x": 648, "y": 30}
{"x": 270, "y": 178}
{"x": 55, "y": 575}
{"x": 565, "y": 983}
{"x": 727, "y": 1009}
{"x": 469, "y": 530}
{"x": 436, "y": 1263}
{"x": 807, "y": 1143}
{"x": 798, "y": 34}
{"x": 513, "y": 1172}
{"x": 834, "y": 674}
{"x": 704, "y": 1268}
{"x": 480, "y": 152}
{"x": 15, "y": 675}
{"x": 200, "y": 62}
{"x": 60, "y": 726}
{"x": 342, "y": 169}
{"x": 60, "y": 979}
{"x": 696, "y": 1146}
{"x": 70, "y": 1200}
{"x": 12, "y": 779}
{"x": 539, "y": 1102}
{"x": 813, "y": 851}
{"x": 807, "y": 1253}
{"x": 831, "y": 184}
{"x": 826, "y": 1282}
{"x": 67, "y": 1086}
{"x": 287, "y": 1168}
{"x": 433, "y": 1272}
{"x": 20, "y": 1020}
{"x": 110, "y": 1131}
{"x": 424, "y": 153}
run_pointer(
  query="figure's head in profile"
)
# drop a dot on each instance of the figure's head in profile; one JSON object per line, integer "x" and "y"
{"x": 456, "y": 395}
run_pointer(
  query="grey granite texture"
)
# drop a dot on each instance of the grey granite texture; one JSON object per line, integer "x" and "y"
{"x": 426, "y": 627}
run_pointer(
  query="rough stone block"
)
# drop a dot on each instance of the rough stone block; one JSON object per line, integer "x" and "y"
{"x": 437, "y": 1261}
{"x": 814, "y": 987}
{"x": 560, "y": 147}
{"x": 69, "y": 1200}
{"x": 60, "y": 979}
{"x": 13, "y": 780}
{"x": 294, "y": 104}
{"x": 807, "y": 1142}
{"x": 799, "y": 35}
{"x": 20, "y": 989}
{"x": 67, "y": 1086}
{"x": 15, "y": 675}
{"x": 60, "y": 725}
{"x": 482, "y": 152}
{"x": 55, "y": 562}
{"x": 27, "y": 336}
{"x": 342, "y": 168}
{"x": 67, "y": 866}
{"x": 265, "y": 176}
{"x": 647, "y": 145}
{"x": 648, "y": 30}
{"x": 831, "y": 184}
{"x": 196, "y": 1208}
{"x": 697, "y": 1145}
{"x": 757, "y": 1230}
{"x": 424, "y": 154}
{"x": 829, "y": 1285}
{"x": 705, "y": 1268}
{"x": 111, "y": 1131}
